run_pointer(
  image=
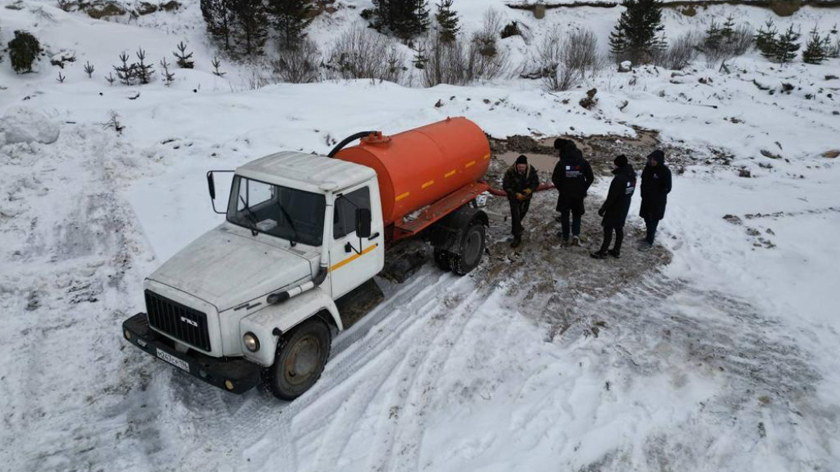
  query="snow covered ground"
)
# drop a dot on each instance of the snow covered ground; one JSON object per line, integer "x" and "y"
{"x": 725, "y": 359}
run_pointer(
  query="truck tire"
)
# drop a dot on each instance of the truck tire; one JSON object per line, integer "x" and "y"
{"x": 443, "y": 259}
{"x": 300, "y": 359}
{"x": 472, "y": 248}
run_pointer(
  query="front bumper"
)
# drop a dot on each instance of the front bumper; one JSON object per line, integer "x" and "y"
{"x": 235, "y": 375}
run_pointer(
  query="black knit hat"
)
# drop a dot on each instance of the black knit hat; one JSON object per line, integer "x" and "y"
{"x": 620, "y": 161}
{"x": 564, "y": 145}
{"x": 521, "y": 159}
{"x": 658, "y": 155}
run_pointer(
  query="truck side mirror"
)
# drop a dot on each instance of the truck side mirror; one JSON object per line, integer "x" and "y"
{"x": 363, "y": 221}
{"x": 211, "y": 185}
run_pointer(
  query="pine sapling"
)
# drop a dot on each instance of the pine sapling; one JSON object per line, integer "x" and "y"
{"x": 61, "y": 78}
{"x": 125, "y": 72}
{"x": 216, "y": 63}
{"x": 184, "y": 58}
{"x": 144, "y": 71}
{"x": 787, "y": 47}
{"x": 89, "y": 69}
{"x": 766, "y": 41}
{"x": 111, "y": 79}
{"x": 168, "y": 77}
{"x": 814, "y": 52}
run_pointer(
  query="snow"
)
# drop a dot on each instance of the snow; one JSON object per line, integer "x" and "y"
{"x": 726, "y": 359}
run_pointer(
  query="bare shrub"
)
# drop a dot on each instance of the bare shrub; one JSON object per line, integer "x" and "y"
{"x": 360, "y": 53}
{"x": 298, "y": 64}
{"x": 462, "y": 62}
{"x": 581, "y": 52}
{"x": 719, "y": 44}
{"x": 742, "y": 40}
{"x": 680, "y": 54}
{"x": 445, "y": 62}
{"x": 563, "y": 62}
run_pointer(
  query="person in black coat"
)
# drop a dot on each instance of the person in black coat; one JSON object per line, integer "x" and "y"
{"x": 656, "y": 185}
{"x": 572, "y": 177}
{"x": 615, "y": 208}
{"x": 520, "y": 183}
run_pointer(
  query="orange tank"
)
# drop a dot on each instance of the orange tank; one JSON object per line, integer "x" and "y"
{"x": 415, "y": 168}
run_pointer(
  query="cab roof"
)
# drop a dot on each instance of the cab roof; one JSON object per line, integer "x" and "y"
{"x": 308, "y": 172}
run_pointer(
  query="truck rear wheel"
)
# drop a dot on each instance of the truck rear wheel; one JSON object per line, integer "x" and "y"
{"x": 472, "y": 248}
{"x": 300, "y": 359}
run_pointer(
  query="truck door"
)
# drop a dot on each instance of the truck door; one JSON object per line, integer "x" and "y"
{"x": 354, "y": 261}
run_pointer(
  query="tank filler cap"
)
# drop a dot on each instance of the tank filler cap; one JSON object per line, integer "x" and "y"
{"x": 376, "y": 138}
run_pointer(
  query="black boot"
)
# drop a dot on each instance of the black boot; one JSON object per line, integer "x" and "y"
{"x": 598, "y": 255}
{"x": 517, "y": 240}
{"x": 614, "y": 253}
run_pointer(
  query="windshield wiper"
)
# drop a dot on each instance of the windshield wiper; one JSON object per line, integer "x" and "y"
{"x": 252, "y": 219}
{"x": 293, "y": 241}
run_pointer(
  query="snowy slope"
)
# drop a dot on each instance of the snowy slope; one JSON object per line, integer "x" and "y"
{"x": 726, "y": 359}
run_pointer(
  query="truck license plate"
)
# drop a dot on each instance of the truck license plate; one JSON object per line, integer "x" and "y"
{"x": 165, "y": 356}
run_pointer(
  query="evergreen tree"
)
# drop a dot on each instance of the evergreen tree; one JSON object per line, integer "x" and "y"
{"x": 218, "y": 15}
{"x": 447, "y": 19}
{"x": 184, "y": 58}
{"x": 23, "y": 50}
{"x": 420, "y": 58}
{"x": 765, "y": 39}
{"x": 637, "y": 33}
{"x": 403, "y": 18}
{"x": 787, "y": 46}
{"x": 714, "y": 37}
{"x": 814, "y": 52}
{"x": 250, "y": 26}
{"x": 291, "y": 18}
{"x": 727, "y": 32}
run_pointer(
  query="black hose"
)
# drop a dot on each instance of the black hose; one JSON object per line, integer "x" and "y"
{"x": 347, "y": 141}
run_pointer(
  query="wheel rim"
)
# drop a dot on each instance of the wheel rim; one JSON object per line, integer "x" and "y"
{"x": 303, "y": 361}
{"x": 472, "y": 247}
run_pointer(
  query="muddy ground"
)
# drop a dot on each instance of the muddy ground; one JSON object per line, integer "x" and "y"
{"x": 549, "y": 282}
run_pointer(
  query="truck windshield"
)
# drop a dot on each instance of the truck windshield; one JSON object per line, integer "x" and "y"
{"x": 283, "y": 212}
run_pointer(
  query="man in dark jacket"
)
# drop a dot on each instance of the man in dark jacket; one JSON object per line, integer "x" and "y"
{"x": 520, "y": 183}
{"x": 616, "y": 207}
{"x": 656, "y": 185}
{"x": 572, "y": 177}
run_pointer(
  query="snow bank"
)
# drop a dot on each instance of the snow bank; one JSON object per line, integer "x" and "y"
{"x": 26, "y": 125}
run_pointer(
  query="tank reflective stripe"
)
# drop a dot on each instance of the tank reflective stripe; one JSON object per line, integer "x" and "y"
{"x": 487, "y": 156}
{"x": 400, "y": 197}
{"x": 428, "y": 184}
{"x": 353, "y": 258}
{"x": 450, "y": 173}
{"x": 470, "y": 164}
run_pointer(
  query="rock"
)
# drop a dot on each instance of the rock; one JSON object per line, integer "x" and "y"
{"x": 733, "y": 219}
{"x": 99, "y": 10}
{"x": 770, "y": 154}
{"x": 744, "y": 173}
{"x": 625, "y": 66}
{"x": 439, "y": 103}
{"x": 146, "y": 8}
{"x": 831, "y": 154}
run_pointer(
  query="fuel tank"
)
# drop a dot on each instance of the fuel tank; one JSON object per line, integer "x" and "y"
{"x": 417, "y": 167}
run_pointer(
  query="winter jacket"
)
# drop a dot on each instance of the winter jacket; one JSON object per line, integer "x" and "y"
{"x": 617, "y": 205}
{"x": 514, "y": 182}
{"x": 572, "y": 176}
{"x": 656, "y": 184}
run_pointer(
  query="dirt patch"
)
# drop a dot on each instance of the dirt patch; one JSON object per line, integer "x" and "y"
{"x": 600, "y": 150}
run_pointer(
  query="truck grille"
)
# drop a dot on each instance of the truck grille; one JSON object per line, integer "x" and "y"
{"x": 179, "y": 321}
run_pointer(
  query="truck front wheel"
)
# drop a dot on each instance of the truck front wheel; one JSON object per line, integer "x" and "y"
{"x": 472, "y": 248}
{"x": 300, "y": 359}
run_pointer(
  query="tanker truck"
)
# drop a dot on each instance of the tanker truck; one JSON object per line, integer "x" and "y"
{"x": 259, "y": 298}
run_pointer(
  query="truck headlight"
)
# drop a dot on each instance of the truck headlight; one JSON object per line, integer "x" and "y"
{"x": 252, "y": 343}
